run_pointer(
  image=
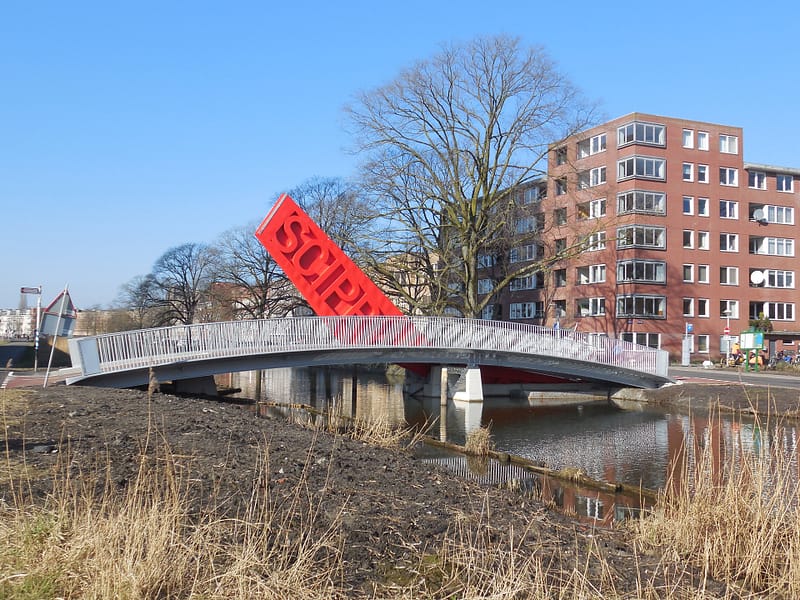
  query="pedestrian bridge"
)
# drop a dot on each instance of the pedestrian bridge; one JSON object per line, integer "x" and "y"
{"x": 504, "y": 351}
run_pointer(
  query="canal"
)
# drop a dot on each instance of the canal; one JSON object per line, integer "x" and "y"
{"x": 635, "y": 446}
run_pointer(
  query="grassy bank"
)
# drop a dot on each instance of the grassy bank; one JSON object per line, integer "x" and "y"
{"x": 91, "y": 537}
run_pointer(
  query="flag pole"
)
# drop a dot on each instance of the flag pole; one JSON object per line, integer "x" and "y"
{"x": 64, "y": 297}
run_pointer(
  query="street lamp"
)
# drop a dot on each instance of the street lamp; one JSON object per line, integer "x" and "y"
{"x": 727, "y": 313}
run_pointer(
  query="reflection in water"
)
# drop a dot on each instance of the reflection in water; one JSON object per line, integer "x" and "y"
{"x": 609, "y": 444}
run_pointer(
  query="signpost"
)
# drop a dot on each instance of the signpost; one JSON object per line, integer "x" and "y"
{"x": 38, "y": 292}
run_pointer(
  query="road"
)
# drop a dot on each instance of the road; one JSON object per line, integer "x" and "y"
{"x": 774, "y": 378}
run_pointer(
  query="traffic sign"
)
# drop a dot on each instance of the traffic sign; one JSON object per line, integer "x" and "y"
{"x": 727, "y": 330}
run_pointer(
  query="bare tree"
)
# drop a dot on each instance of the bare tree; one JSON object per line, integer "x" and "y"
{"x": 181, "y": 278}
{"x": 450, "y": 143}
{"x": 138, "y": 296}
{"x": 337, "y": 208}
{"x": 247, "y": 281}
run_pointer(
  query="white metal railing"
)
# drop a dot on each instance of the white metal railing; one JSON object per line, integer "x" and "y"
{"x": 126, "y": 350}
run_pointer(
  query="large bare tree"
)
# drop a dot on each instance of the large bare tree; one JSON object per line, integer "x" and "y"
{"x": 449, "y": 144}
{"x": 181, "y": 278}
{"x": 248, "y": 283}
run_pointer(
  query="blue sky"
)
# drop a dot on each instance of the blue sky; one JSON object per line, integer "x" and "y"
{"x": 128, "y": 128}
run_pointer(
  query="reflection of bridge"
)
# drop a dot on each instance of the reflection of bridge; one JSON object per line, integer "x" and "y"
{"x": 522, "y": 352}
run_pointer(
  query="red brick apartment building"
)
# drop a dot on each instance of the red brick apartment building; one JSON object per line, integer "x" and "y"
{"x": 681, "y": 237}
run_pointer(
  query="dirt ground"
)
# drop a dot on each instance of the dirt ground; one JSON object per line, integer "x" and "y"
{"x": 389, "y": 501}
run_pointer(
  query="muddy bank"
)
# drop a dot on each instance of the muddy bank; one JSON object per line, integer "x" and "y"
{"x": 389, "y": 507}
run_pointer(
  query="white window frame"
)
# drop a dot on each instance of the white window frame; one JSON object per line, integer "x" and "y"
{"x": 687, "y": 139}
{"x": 703, "y": 242}
{"x": 729, "y": 242}
{"x": 702, "y": 173}
{"x": 728, "y": 144}
{"x": 779, "y": 279}
{"x": 652, "y": 271}
{"x": 729, "y": 306}
{"x": 484, "y": 286}
{"x": 688, "y": 273}
{"x": 688, "y": 302}
{"x": 728, "y": 209}
{"x": 640, "y": 132}
{"x": 703, "y": 305}
{"x": 595, "y": 241}
{"x": 688, "y": 239}
{"x": 642, "y": 167}
{"x": 642, "y": 201}
{"x": 729, "y": 176}
{"x": 688, "y": 171}
{"x": 703, "y": 274}
{"x": 703, "y": 205}
{"x": 757, "y": 180}
{"x": 730, "y": 277}
{"x": 784, "y": 183}
{"x": 642, "y": 236}
{"x": 702, "y": 140}
{"x": 688, "y": 205}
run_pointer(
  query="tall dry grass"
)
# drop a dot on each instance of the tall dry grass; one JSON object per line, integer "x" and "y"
{"x": 736, "y": 521}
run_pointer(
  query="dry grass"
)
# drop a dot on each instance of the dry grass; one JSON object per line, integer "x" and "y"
{"x": 479, "y": 441}
{"x": 148, "y": 542}
{"x": 736, "y": 522}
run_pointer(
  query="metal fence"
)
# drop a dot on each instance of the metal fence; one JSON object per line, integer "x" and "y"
{"x": 127, "y": 350}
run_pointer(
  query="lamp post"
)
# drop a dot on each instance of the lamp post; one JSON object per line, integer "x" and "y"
{"x": 727, "y": 313}
{"x": 38, "y": 292}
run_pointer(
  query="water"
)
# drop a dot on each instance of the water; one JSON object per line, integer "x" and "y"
{"x": 634, "y": 447}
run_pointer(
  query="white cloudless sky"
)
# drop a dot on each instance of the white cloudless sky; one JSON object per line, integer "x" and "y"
{"x": 128, "y": 128}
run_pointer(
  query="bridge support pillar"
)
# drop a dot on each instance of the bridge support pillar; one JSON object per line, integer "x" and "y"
{"x": 470, "y": 386}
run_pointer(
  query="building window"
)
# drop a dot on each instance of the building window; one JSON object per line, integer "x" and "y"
{"x": 688, "y": 205}
{"x": 560, "y": 245}
{"x": 728, "y": 176}
{"x": 487, "y": 314}
{"x": 529, "y": 282}
{"x": 702, "y": 173}
{"x": 729, "y": 242}
{"x": 784, "y": 183}
{"x": 639, "y": 201}
{"x": 525, "y": 253}
{"x": 702, "y": 343}
{"x": 688, "y": 138}
{"x": 772, "y": 246}
{"x": 591, "y": 274}
{"x": 590, "y": 307}
{"x": 643, "y": 271}
{"x": 591, "y": 178}
{"x": 780, "y": 214}
{"x": 728, "y": 144}
{"x": 688, "y": 273}
{"x": 592, "y": 210}
{"x": 688, "y": 238}
{"x": 702, "y": 140}
{"x": 688, "y": 172}
{"x": 530, "y": 224}
{"x": 595, "y": 241}
{"x": 641, "y": 306}
{"x": 526, "y": 310}
{"x": 561, "y": 155}
{"x": 641, "y": 236}
{"x": 702, "y": 207}
{"x": 592, "y": 145}
{"x": 688, "y": 307}
{"x": 702, "y": 274}
{"x": 702, "y": 240}
{"x": 702, "y": 307}
{"x": 560, "y": 277}
{"x": 774, "y": 311}
{"x": 728, "y": 209}
{"x": 651, "y": 340}
{"x": 641, "y": 166}
{"x": 729, "y": 275}
{"x": 560, "y": 216}
{"x": 774, "y": 278}
{"x": 531, "y": 195}
{"x": 484, "y": 286}
{"x": 561, "y": 187}
{"x": 757, "y": 180}
{"x": 641, "y": 133}
{"x": 729, "y": 308}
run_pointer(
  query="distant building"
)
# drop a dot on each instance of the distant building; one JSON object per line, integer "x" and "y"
{"x": 675, "y": 234}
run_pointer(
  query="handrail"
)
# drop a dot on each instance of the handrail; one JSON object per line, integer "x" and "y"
{"x": 115, "y": 352}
